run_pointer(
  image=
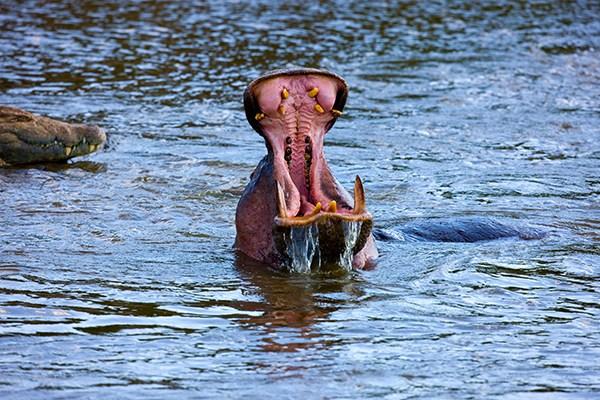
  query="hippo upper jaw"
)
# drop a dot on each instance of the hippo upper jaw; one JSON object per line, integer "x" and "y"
{"x": 293, "y": 110}
{"x": 28, "y": 138}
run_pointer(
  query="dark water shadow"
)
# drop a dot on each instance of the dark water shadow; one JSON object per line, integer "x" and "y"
{"x": 61, "y": 166}
{"x": 296, "y": 301}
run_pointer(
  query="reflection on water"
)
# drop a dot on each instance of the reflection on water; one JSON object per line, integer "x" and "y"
{"x": 117, "y": 273}
{"x": 294, "y": 301}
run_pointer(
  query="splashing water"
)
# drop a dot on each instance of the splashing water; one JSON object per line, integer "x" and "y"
{"x": 351, "y": 231}
{"x": 302, "y": 245}
{"x": 304, "y": 253}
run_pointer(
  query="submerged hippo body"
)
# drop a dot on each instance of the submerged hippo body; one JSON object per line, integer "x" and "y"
{"x": 294, "y": 213}
{"x": 28, "y": 138}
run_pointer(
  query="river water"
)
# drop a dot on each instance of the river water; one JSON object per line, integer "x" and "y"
{"x": 117, "y": 277}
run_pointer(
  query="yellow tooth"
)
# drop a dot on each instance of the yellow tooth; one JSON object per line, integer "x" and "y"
{"x": 359, "y": 196}
{"x": 93, "y": 147}
{"x": 284, "y": 93}
{"x": 332, "y": 206}
{"x": 281, "y": 109}
{"x": 313, "y": 92}
{"x": 335, "y": 112}
{"x": 68, "y": 150}
{"x": 315, "y": 210}
{"x": 318, "y": 108}
{"x": 259, "y": 116}
{"x": 281, "y": 206}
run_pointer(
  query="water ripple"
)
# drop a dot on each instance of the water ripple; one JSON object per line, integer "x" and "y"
{"x": 116, "y": 271}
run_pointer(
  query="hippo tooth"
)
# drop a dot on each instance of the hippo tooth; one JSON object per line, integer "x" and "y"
{"x": 336, "y": 113}
{"x": 318, "y": 108}
{"x": 315, "y": 210}
{"x": 93, "y": 147}
{"x": 313, "y": 92}
{"x": 359, "y": 196}
{"x": 284, "y": 93}
{"x": 68, "y": 150}
{"x": 281, "y": 206}
{"x": 259, "y": 116}
{"x": 281, "y": 109}
{"x": 332, "y": 207}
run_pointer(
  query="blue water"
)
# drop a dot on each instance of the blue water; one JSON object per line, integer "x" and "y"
{"x": 117, "y": 278}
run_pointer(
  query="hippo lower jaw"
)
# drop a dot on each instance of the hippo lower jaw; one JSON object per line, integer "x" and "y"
{"x": 293, "y": 191}
{"x": 27, "y": 138}
{"x": 322, "y": 239}
{"x": 317, "y": 212}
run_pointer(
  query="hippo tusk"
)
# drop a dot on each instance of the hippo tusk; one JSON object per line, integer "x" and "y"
{"x": 281, "y": 206}
{"x": 359, "y": 197}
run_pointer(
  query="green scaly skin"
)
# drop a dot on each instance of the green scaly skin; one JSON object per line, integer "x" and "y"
{"x": 27, "y": 138}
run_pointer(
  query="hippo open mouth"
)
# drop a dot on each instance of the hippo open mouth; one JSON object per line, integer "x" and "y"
{"x": 311, "y": 219}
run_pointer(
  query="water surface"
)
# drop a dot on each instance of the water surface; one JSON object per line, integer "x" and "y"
{"x": 117, "y": 278}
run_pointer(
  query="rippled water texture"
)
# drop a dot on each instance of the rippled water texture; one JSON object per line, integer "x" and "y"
{"x": 117, "y": 278}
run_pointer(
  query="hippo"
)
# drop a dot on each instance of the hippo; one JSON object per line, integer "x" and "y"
{"x": 27, "y": 138}
{"x": 294, "y": 213}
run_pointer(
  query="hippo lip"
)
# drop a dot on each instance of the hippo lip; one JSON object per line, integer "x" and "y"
{"x": 293, "y": 110}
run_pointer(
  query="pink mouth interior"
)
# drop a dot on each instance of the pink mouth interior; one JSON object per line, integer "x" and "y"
{"x": 294, "y": 113}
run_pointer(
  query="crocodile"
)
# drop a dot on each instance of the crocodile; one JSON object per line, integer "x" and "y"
{"x": 27, "y": 138}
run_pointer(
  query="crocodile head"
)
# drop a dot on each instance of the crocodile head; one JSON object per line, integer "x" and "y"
{"x": 28, "y": 138}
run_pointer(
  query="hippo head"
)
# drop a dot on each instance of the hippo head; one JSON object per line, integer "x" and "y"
{"x": 293, "y": 213}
